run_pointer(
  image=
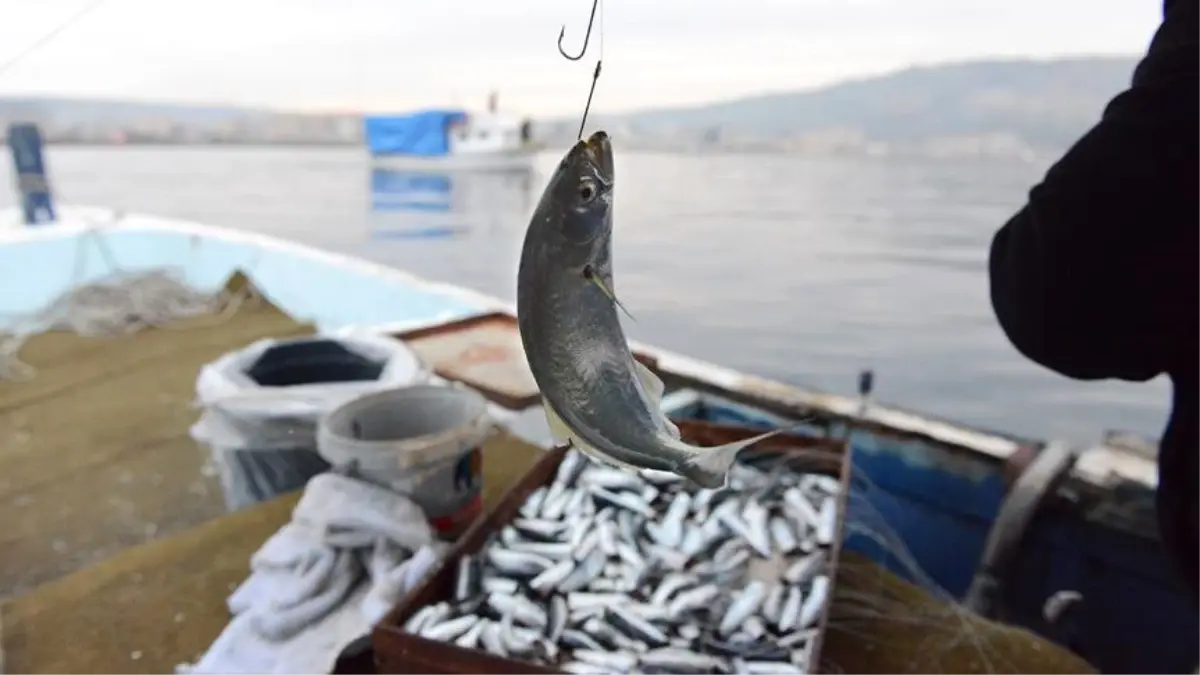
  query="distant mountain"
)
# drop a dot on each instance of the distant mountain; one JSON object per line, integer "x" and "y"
{"x": 1043, "y": 102}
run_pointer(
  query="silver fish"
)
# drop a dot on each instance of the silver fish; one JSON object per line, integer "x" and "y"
{"x": 818, "y": 595}
{"x": 470, "y": 639}
{"x": 746, "y": 604}
{"x": 582, "y": 668}
{"x": 789, "y": 613}
{"x": 614, "y": 660}
{"x": 553, "y": 576}
{"x": 773, "y": 605}
{"x": 682, "y": 659}
{"x": 518, "y": 562}
{"x": 597, "y": 397}
{"x": 450, "y": 630}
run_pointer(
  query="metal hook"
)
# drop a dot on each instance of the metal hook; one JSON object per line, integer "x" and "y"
{"x": 587, "y": 36}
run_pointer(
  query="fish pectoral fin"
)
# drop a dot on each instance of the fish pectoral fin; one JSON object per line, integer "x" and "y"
{"x": 559, "y": 430}
{"x": 563, "y": 435}
{"x": 655, "y": 388}
{"x": 650, "y": 381}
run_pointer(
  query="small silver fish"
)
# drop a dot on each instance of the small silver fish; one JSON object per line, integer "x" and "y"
{"x": 553, "y": 576}
{"x": 616, "y": 660}
{"x": 450, "y": 630}
{"x": 597, "y": 397}
{"x": 518, "y": 562}
{"x": 789, "y": 613}
{"x": 681, "y": 659}
{"x": 746, "y": 604}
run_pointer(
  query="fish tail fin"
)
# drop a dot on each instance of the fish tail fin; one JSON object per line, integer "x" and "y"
{"x": 709, "y": 467}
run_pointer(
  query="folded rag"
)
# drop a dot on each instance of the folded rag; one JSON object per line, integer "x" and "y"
{"x": 304, "y": 600}
{"x": 349, "y": 515}
{"x": 388, "y": 585}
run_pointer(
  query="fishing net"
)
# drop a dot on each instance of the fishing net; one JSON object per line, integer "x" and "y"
{"x": 122, "y": 303}
{"x": 887, "y": 623}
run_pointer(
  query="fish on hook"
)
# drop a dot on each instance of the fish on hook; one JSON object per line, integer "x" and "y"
{"x": 597, "y": 397}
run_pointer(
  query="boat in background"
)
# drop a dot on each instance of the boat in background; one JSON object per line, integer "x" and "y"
{"x": 451, "y": 140}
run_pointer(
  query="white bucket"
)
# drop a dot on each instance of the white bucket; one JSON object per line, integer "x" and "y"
{"x": 262, "y": 404}
{"x": 423, "y": 442}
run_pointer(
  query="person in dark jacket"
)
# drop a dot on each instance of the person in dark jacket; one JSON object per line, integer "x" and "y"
{"x": 1096, "y": 276}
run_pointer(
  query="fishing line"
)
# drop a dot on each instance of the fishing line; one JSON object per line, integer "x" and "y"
{"x": 45, "y": 39}
{"x": 583, "y": 50}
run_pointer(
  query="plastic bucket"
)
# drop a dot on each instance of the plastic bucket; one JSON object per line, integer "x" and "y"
{"x": 423, "y": 442}
{"x": 262, "y": 405}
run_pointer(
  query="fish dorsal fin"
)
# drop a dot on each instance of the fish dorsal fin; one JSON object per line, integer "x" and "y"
{"x": 655, "y": 388}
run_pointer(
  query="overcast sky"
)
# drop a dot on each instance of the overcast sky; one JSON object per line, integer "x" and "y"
{"x": 395, "y": 54}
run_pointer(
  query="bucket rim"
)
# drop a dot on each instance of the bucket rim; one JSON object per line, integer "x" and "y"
{"x": 338, "y": 447}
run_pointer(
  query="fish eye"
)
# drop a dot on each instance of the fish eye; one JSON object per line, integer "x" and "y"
{"x": 587, "y": 190}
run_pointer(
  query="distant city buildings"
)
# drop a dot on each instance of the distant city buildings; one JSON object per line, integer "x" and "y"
{"x": 257, "y": 128}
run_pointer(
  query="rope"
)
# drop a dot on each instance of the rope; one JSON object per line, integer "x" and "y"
{"x": 48, "y": 37}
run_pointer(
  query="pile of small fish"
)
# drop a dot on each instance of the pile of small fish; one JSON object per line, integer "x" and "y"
{"x": 607, "y": 571}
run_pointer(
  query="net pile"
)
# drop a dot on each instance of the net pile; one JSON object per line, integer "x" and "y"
{"x": 120, "y": 304}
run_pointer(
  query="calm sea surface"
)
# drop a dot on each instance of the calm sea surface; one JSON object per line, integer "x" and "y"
{"x": 804, "y": 270}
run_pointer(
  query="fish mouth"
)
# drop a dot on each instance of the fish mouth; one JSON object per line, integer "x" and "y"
{"x": 599, "y": 149}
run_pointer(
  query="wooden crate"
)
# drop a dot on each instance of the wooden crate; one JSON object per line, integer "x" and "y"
{"x": 399, "y": 652}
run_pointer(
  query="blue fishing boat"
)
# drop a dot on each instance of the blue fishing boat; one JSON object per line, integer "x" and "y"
{"x": 451, "y": 140}
{"x": 1014, "y": 528}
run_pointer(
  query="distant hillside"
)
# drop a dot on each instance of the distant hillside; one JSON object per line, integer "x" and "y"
{"x": 1043, "y": 102}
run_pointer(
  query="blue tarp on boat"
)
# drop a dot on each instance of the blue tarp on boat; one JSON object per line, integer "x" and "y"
{"x": 422, "y": 134}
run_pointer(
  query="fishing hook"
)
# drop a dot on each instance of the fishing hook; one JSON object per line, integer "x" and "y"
{"x": 587, "y": 36}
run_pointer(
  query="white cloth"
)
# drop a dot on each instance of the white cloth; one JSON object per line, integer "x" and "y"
{"x": 305, "y": 599}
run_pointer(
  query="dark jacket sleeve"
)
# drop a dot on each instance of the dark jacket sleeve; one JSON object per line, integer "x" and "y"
{"x": 1096, "y": 276}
